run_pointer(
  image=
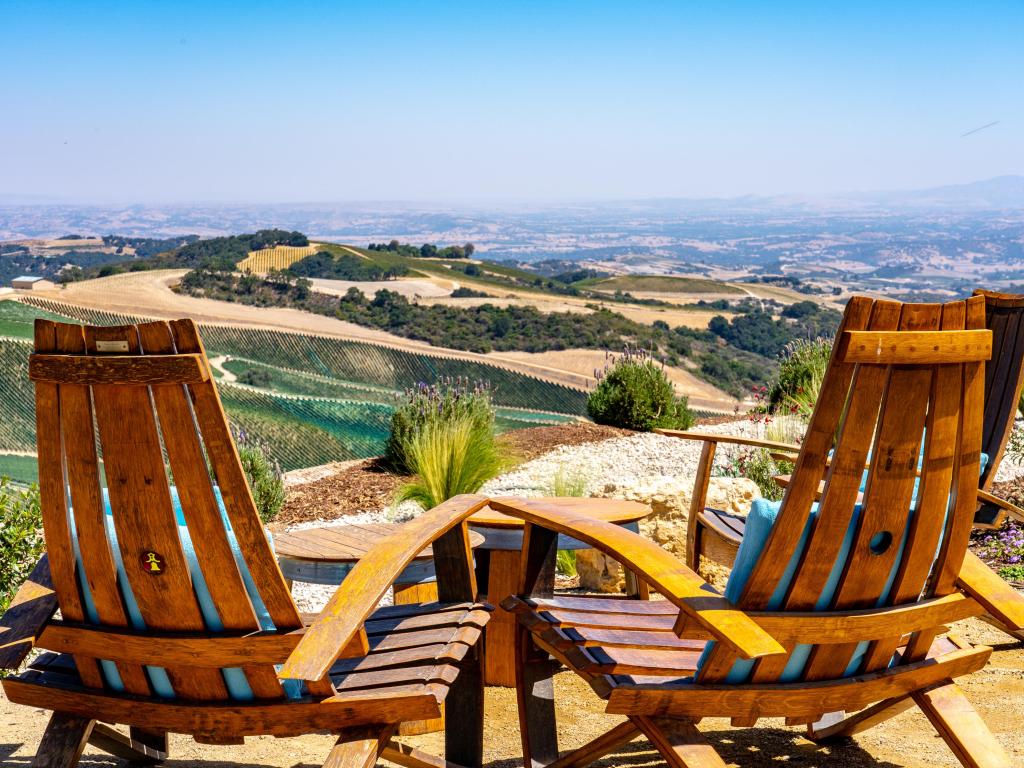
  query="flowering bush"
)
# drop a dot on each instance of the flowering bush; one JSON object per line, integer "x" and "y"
{"x": 757, "y": 465}
{"x": 634, "y": 392}
{"x": 1004, "y": 549}
{"x": 429, "y": 404}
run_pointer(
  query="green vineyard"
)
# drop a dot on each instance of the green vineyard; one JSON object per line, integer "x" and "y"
{"x": 318, "y": 399}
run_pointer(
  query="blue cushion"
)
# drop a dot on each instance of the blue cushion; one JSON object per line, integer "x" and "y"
{"x": 760, "y": 521}
{"x": 234, "y": 678}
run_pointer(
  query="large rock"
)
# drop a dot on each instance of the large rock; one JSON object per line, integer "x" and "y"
{"x": 669, "y": 499}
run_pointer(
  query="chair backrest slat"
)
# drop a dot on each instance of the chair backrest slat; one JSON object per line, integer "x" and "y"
{"x": 928, "y": 523}
{"x": 238, "y": 502}
{"x": 886, "y": 551}
{"x": 53, "y": 502}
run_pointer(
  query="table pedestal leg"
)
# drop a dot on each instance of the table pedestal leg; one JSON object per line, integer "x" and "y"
{"x": 424, "y": 592}
{"x": 500, "y": 633}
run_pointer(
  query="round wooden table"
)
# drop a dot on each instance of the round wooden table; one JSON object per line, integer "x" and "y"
{"x": 498, "y": 560}
{"x": 326, "y": 555}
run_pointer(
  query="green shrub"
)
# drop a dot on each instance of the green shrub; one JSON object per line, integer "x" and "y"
{"x": 264, "y": 480}
{"x": 255, "y": 377}
{"x": 450, "y": 456}
{"x": 755, "y": 464}
{"x": 801, "y": 371}
{"x": 634, "y": 392}
{"x": 427, "y": 404}
{"x": 21, "y": 537}
{"x": 1012, "y": 572}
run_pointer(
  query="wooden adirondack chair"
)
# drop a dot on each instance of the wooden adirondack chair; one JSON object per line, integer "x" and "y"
{"x": 716, "y": 534}
{"x": 174, "y": 615}
{"x": 830, "y": 608}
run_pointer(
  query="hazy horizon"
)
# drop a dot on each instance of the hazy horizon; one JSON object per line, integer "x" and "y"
{"x": 253, "y": 103}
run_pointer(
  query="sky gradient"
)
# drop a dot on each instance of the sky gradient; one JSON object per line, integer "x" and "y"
{"x": 259, "y": 102}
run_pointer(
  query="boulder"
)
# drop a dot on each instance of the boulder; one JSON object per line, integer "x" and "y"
{"x": 669, "y": 499}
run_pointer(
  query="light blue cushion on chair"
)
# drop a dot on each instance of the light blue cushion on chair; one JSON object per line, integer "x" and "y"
{"x": 760, "y": 521}
{"x": 234, "y": 678}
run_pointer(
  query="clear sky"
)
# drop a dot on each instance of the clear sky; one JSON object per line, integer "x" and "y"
{"x": 478, "y": 101}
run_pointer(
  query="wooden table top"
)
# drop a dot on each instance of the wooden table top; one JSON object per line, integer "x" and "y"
{"x": 616, "y": 511}
{"x": 347, "y": 542}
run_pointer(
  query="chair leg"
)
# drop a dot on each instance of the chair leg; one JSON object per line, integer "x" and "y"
{"x": 535, "y": 691}
{"x": 961, "y": 727}
{"x": 358, "y": 747}
{"x": 464, "y": 714}
{"x": 140, "y": 748}
{"x": 63, "y": 741}
{"x": 838, "y": 725}
{"x": 679, "y": 742}
{"x": 603, "y": 745}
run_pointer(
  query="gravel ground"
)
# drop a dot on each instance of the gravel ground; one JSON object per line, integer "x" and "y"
{"x": 623, "y": 460}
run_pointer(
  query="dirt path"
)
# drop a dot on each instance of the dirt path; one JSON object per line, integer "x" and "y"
{"x": 218, "y": 364}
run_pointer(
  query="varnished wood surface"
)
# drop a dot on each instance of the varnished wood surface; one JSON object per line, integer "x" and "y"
{"x": 903, "y": 376}
{"x": 711, "y": 437}
{"x": 33, "y": 605}
{"x": 915, "y": 347}
{"x": 344, "y": 543}
{"x": 153, "y": 369}
{"x": 363, "y": 588}
{"x": 608, "y": 510}
{"x": 659, "y": 569}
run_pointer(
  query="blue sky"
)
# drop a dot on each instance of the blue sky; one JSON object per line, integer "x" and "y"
{"x": 487, "y": 101}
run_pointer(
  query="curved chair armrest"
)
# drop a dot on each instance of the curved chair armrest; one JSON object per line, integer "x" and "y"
{"x": 694, "y": 596}
{"x": 753, "y": 442}
{"x": 1012, "y": 509}
{"x": 359, "y": 594}
{"x": 33, "y": 606}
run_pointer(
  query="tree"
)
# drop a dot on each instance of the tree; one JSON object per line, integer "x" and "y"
{"x": 469, "y": 249}
{"x": 428, "y": 251}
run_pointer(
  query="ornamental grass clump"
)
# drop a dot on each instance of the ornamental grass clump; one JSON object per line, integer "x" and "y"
{"x": 634, "y": 392}
{"x": 444, "y": 435}
{"x": 427, "y": 404}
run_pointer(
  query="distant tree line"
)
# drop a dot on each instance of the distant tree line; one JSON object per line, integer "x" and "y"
{"x": 344, "y": 267}
{"x": 758, "y": 331}
{"x": 487, "y": 327}
{"x": 425, "y": 251}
